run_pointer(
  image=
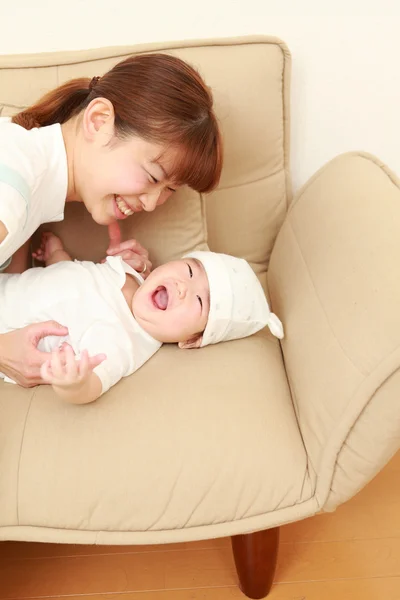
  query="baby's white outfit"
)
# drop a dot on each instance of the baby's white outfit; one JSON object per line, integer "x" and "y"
{"x": 33, "y": 181}
{"x": 87, "y": 298}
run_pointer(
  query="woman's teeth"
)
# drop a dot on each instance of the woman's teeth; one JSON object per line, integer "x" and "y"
{"x": 123, "y": 207}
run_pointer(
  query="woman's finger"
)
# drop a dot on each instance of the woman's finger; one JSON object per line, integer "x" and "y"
{"x": 114, "y": 233}
{"x": 129, "y": 245}
{"x": 146, "y": 270}
{"x": 133, "y": 257}
{"x": 141, "y": 266}
{"x": 136, "y": 261}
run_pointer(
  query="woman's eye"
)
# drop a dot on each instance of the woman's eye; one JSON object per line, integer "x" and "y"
{"x": 200, "y": 300}
{"x": 190, "y": 271}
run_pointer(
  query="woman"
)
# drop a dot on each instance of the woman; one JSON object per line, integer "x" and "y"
{"x": 120, "y": 144}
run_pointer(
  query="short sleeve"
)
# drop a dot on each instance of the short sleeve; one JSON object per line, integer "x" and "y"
{"x": 113, "y": 341}
{"x": 13, "y": 213}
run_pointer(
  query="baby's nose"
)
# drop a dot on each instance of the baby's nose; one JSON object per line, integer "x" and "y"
{"x": 181, "y": 287}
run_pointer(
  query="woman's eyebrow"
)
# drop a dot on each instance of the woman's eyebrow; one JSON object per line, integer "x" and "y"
{"x": 155, "y": 162}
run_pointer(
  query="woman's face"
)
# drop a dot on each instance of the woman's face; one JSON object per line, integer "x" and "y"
{"x": 115, "y": 178}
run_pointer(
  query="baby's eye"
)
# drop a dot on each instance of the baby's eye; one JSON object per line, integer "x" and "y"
{"x": 153, "y": 179}
{"x": 190, "y": 270}
{"x": 200, "y": 300}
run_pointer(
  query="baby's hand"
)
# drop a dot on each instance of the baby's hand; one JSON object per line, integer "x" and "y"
{"x": 49, "y": 244}
{"x": 64, "y": 371}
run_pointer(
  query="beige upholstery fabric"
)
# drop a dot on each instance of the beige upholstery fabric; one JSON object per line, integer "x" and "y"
{"x": 157, "y": 457}
{"x": 333, "y": 281}
{"x": 244, "y": 435}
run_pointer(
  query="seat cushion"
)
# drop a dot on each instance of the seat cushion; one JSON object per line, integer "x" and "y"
{"x": 197, "y": 443}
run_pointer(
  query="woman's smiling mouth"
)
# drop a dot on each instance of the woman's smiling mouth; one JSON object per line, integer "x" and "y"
{"x": 123, "y": 208}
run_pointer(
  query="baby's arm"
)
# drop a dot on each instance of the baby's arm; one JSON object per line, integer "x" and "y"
{"x": 51, "y": 250}
{"x": 72, "y": 380}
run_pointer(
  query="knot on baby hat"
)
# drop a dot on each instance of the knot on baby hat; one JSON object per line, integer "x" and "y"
{"x": 238, "y": 306}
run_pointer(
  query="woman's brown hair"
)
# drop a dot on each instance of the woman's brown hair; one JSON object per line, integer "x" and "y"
{"x": 157, "y": 97}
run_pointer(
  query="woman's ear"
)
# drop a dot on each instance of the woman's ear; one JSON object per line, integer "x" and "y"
{"x": 98, "y": 118}
{"x": 194, "y": 342}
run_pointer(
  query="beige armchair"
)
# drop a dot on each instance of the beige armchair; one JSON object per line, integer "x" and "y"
{"x": 237, "y": 439}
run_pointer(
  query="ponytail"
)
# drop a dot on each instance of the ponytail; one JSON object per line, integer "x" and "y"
{"x": 57, "y": 106}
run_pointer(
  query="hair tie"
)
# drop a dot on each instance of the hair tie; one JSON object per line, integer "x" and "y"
{"x": 93, "y": 82}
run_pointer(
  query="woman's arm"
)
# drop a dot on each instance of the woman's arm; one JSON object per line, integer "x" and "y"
{"x": 3, "y": 232}
{"x": 21, "y": 260}
{"x": 14, "y": 221}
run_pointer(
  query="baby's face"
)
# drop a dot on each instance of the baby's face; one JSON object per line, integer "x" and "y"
{"x": 173, "y": 303}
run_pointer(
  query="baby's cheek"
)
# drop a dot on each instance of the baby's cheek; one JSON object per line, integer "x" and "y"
{"x": 177, "y": 326}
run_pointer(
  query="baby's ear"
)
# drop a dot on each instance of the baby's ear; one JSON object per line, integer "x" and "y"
{"x": 194, "y": 342}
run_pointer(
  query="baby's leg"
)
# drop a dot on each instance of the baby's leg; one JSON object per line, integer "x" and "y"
{"x": 57, "y": 256}
{"x": 51, "y": 250}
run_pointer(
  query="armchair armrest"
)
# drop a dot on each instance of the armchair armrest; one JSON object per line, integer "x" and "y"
{"x": 334, "y": 280}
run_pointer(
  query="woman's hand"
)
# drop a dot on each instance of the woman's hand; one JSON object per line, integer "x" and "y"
{"x": 20, "y": 359}
{"x": 130, "y": 251}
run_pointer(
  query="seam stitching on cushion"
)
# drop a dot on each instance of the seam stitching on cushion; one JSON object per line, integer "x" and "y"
{"x": 283, "y": 129}
{"x": 239, "y": 185}
{"x": 99, "y": 532}
{"x": 124, "y": 51}
{"x": 9, "y": 105}
{"x": 20, "y": 450}
{"x": 286, "y": 129}
{"x": 321, "y": 304}
{"x": 325, "y": 496}
{"x": 203, "y": 210}
{"x": 364, "y": 155}
{"x": 345, "y": 440}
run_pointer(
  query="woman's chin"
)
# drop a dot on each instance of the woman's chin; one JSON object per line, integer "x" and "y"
{"x": 102, "y": 219}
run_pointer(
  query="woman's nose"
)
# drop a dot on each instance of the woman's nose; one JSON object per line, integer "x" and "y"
{"x": 149, "y": 201}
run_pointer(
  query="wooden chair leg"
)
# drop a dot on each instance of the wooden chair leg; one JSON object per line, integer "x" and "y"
{"x": 255, "y": 557}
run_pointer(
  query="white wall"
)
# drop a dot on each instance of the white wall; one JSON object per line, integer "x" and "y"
{"x": 346, "y": 61}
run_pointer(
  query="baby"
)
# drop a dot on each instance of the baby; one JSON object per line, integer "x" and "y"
{"x": 110, "y": 311}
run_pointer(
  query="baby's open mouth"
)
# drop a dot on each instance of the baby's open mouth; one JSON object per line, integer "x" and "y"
{"x": 160, "y": 297}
